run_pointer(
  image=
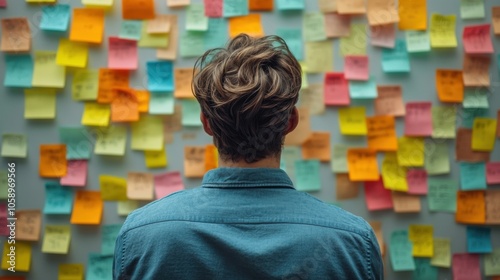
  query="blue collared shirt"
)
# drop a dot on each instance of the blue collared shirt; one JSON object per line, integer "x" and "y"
{"x": 245, "y": 223}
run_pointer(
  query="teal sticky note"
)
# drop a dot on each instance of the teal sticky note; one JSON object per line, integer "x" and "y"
{"x": 190, "y": 112}
{"x": 437, "y": 160}
{"x": 293, "y": 39}
{"x": 55, "y": 17}
{"x": 192, "y": 44}
{"x": 18, "y": 70}
{"x": 195, "y": 17}
{"x": 479, "y": 240}
{"x": 160, "y": 76}
{"x": 363, "y": 89}
{"x": 289, "y": 155}
{"x": 307, "y": 175}
{"x": 396, "y": 60}
{"x": 313, "y": 25}
{"x": 78, "y": 142}
{"x": 109, "y": 234}
{"x": 424, "y": 270}
{"x": 471, "y": 9}
{"x": 161, "y": 103}
{"x": 417, "y": 41}
{"x": 476, "y": 97}
{"x": 442, "y": 195}
{"x": 472, "y": 176}
{"x": 99, "y": 267}
{"x": 58, "y": 199}
{"x": 400, "y": 251}
{"x": 235, "y": 8}
{"x": 217, "y": 34}
{"x": 469, "y": 114}
{"x": 131, "y": 29}
{"x": 284, "y": 5}
{"x": 4, "y": 184}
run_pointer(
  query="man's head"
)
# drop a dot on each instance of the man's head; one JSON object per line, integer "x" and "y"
{"x": 247, "y": 92}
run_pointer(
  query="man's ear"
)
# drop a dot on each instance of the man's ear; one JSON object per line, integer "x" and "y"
{"x": 206, "y": 125}
{"x": 293, "y": 121}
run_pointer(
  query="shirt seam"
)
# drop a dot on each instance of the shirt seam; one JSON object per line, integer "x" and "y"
{"x": 267, "y": 184}
{"x": 122, "y": 268}
{"x": 368, "y": 256}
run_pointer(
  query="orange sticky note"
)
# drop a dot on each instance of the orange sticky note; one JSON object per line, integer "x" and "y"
{"x": 337, "y": 25}
{"x": 194, "y": 161}
{"x": 87, "y": 208}
{"x": 351, "y": 6}
{"x": 87, "y": 25}
{"x": 183, "y": 78}
{"x": 125, "y": 106}
{"x": 143, "y": 100}
{"x": 405, "y": 203}
{"x": 249, "y": 24}
{"x": 211, "y": 157}
{"x": 317, "y": 146}
{"x": 492, "y": 200}
{"x": 170, "y": 52}
{"x": 110, "y": 79}
{"x": 28, "y": 225}
{"x": 389, "y": 101}
{"x": 382, "y": 133}
{"x": 140, "y": 186}
{"x": 260, "y": 5}
{"x": 345, "y": 188}
{"x": 495, "y": 19}
{"x": 412, "y": 14}
{"x": 449, "y": 85}
{"x": 471, "y": 207}
{"x": 362, "y": 164}
{"x": 476, "y": 71}
{"x": 159, "y": 25}
{"x": 52, "y": 160}
{"x": 382, "y": 12}
{"x": 16, "y": 35}
{"x": 138, "y": 9}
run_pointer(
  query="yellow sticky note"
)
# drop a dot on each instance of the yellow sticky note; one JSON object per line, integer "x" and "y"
{"x": 40, "y": 1}
{"x": 152, "y": 40}
{"x": 72, "y": 54}
{"x": 355, "y": 43}
{"x": 70, "y": 271}
{"x": 394, "y": 175}
{"x": 319, "y": 57}
{"x": 111, "y": 141}
{"x": 98, "y": 3}
{"x": 156, "y": 159}
{"x": 483, "y": 134}
{"x": 39, "y": 103}
{"x": 422, "y": 239}
{"x": 113, "y": 188}
{"x": 85, "y": 84}
{"x": 46, "y": 72}
{"x": 410, "y": 151}
{"x": 96, "y": 114}
{"x": 442, "y": 31}
{"x": 352, "y": 121}
{"x": 442, "y": 253}
{"x": 147, "y": 134}
{"x": 56, "y": 239}
{"x": 22, "y": 259}
{"x": 127, "y": 206}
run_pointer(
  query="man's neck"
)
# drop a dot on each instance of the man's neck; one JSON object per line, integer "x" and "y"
{"x": 269, "y": 162}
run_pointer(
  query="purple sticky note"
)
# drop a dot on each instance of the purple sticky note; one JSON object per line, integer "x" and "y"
{"x": 76, "y": 175}
{"x": 167, "y": 183}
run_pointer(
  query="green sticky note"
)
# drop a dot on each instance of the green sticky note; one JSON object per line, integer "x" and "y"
{"x": 14, "y": 145}
{"x": 161, "y": 103}
{"x": 85, "y": 84}
{"x": 492, "y": 263}
{"x": 235, "y": 8}
{"x": 469, "y": 114}
{"x": 442, "y": 253}
{"x": 192, "y": 44}
{"x": 471, "y": 9}
{"x": 217, "y": 33}
{"x": 46, "y": 72}
{"x": 287, "y": 5}
{"x": 400, "y": 250}
{"x": 314, "y": 27}
{"x": 307, "y": 175}
{"x": 195, "y": 18}
{"x": 443, "y": 121}
{"x": 78, "y": 142}
{"x": 339, "y": 158}
{"x": 150, "y": 40}
{"x": 424, "y": 270}
{"x": 289, "y": 155}
{"x": 293, "y": 39}
{"x": 147, "y": 133}
{"x": 4, "y": 184}
{"x": 126, "y": 207}
{"x": 111, "y": 141}
{"x": 39, "y": 103}
{"x": 418, "y": 41}
{"x": 442, "y": 195}
{"x": 131, "y": 29}
{"x": 396, "y": 60}
{"x": 475, "y": 98}
{"x": 108, "y": 237}
{"x": 99, "y": 267}
{"x": 437, "y": 160}
{"x": 355, "y": 43}
{"x": 319, "y": 57}
{"x": 190, "y": 112}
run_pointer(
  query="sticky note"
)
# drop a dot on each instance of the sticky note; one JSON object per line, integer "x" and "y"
{"x": 307, "y": 175}
{"x": 58, "y": 199}
{"x": 70, "y": 271}
{"x": 443, "y": 121}
{"x": 260, "y": 5}
{"x": 463, "y": 148}
{"x": 87, "y": 25}
{"x": 55, "y": 17}
{"x": 143, "y": 97}
{"x": 147, "y": 133}
{"x": 39, "y": 104}
{"x": 377, "y": 228}
{"x": 127, "y": 206}
{"x": 317, "y": 146}
{"x": 356, "y": 67}
{"x": 249, "y": 24}
{"x": 382, "y": 12}
{"x": 471, "y": 9}
{"x": 194, "y": 161}
{"x": 190, "y": 112}
{"x": 405, "y": 203}
{"x": 442, "y": 31}
{"x": 355, "y": 43}
{"x": 417, "y": 41}
{"x": 111, "y": 141}
{"x": 131, "y": 29}
{"x": 449, "y": 85}
{"x": 495, "y": 19}
{"x": 303, "y": 67}
{"x": 472, "y": 176}
{"x": 483, "y": 134}
{"x": 393, "y": 175}
{"x": 396, "y": 60}
{"x": 109, "y": 80}
{"x": 99, "y": 266}
{"x": 389, "y": 101}
{"x": 132, "y": 9}
{"x": 85, "y": 84}
{"x": 113, "y": 188}
{"x": 442, "y": 253}
{"x": 4, "y": 185}
{"x": 161, "y": 103}
{"x": 160, "y": 24}
{"x": 52, "y": 160}
{"x": 167, "y": 183}
{"x": 418, "y": 119}
{"x": 351, "y": 7}
{"x": 153, "y": 40}
{"x": 95, "y": 114}
{"x": 492, "y": 200}
{"x": 344, "y": 188}
{"x": 336, "y": 89}
{"x": 476, "y": 71}
{"x": 235, "y": 8}
{"x": 213, "y": 8}
{"x": 363, "y": 89}
{"x": 466, "y": 266}
{"x": 470, "y": 207}
{"x": 475, "y": 98}
{"x": 72, "y": 54}
{"x": 109, "y": 234}
{"x": 183, "y": 79}
{"x": 155, "y": 159}
{"x": 336, "y": 25}
{"x": 383, "y": 35}
{"x": 319, "y": 56}
{"x": 313, "y": 25}
{"x": 491, "y": 265}
{"x": 339, "y": 158}
{"x": 125, "y": 106}
{"x": 470, "y": 114}
{"x": 312, "y": 98}
{"x": 78, "y": 142}
{"x": 28, "y": 225}
{"x": 437, "y": 159}
{"x": 3, "y": 4}
{"x": 417, "y": 181}
{"x": 46, "y": 72}
{"x": 122, "y": 54}
{"x": 412, "y": 14}
{"x": 422, "y": 238}
{"x": 362, "y": 164}
{"x": 160, "y": 76}
{"x": 192, "y": 44}
{"x": 76, "y": 175}
{"x": 195, "y": 18}
{"x": 87, "y": 209}
{"x": 493, "y": 173}
{"x": 479, "y": 240}
{"x": 290, "y": 5}
{"x": 56, "y": 239}
{"x": 14, "y": 145}
{"x": 23, "y": 255}
{"x": 177, "y": 3}
{"x": 218, "y": 32}
{"x": 400, "y": 251}
{"x": 410, "y": 151}
{"x": 16, "y": 35}
{"x": 477, "y": 39}
{"x": 303, "y": 129}
{"x": 18, "y": 70}
{"x": 105, "y": 4}
{"x": 352, "y": 121}
{"x": 424, "y": 270}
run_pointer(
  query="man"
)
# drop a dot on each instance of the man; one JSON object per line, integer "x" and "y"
{"x": 246, "y": 221}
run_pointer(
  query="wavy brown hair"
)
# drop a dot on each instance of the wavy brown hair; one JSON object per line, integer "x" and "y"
{"x": 247, "y": 92}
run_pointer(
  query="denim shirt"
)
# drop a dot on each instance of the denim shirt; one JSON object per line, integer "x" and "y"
{"x": 245, "y": 223}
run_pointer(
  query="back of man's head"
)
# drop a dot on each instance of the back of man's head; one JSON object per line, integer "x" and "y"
{"x": 247, "y": 92}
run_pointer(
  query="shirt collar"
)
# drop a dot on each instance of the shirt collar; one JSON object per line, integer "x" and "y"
{"x": 225, "y": 177}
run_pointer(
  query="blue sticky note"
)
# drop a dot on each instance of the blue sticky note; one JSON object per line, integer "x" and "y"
{"x": 293, "y": 38}
{"x": 99, "y": 267}
{"x": 55, "y": 17}
{"x": 58, "y": 199}
{"x": 161, "y": 103}
{"x": 108, "y": 237}
{"x": 400, "y": 251}
{"x": 284, "y": 5}
{"x": 235, "y": 8}
{"x": 131, "y": 29}
{"x": 78, "y": 142}
{"x": 396, "y": 60}
{"x": 472, "y": 176}
{"x": 217, "y": 34}
{"x": 190, "y": 112}
{"x": 160, "y": 76}
{"x": 18, "y": 70}
{"x": 424, "y": 270}
{"x": 479, "y": 240}
{"x": 363, "y": 89}
{"x": 307, "y": 175}
{"x": 469, "y": 114}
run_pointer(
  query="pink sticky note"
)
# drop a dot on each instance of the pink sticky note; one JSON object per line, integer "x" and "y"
{"x": 336, "y": 89}
{"x": 417, "y": 181}
{"x": 213, "y": 8}
{"x": 3, "y": 3}
{"x": 356, "y": 67}
{"x": 493, "y": 173}
{"x": 76, "y": 175}
{"x": 383, "y": 35}
{"x": 168, "y": 183}
{"x": 477, "y": 39}
{"x": 377, "y": 197}
{"x": 4, "y": 230}
{"x": 466, "y": 267}
{"x": 418, "y": 119}
{"x": 122, "y": 54}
